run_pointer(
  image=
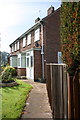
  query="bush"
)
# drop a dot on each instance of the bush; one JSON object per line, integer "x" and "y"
{"x": 11, "y": 70}
{"x": 70, "y": 35}
{"x": 8, "y": 73}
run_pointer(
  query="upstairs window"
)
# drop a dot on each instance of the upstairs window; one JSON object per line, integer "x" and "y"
{"x": 37, "y": 34}
{"x": 18, "y": 45}
{"x": 15, "y": 47}
{"x": 29, "y": 39}
{"x": 12, "y": 48}
{"x": 24, "y": 41}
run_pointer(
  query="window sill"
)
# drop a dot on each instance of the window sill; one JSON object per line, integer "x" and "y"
{"x": 29, "y": 44}
{"x": 36, "y": 40}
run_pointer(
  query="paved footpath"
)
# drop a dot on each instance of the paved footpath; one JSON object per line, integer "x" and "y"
{"x": 37, "y": 105}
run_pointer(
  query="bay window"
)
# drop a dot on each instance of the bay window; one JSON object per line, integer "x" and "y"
{"x": 13, "y": 61}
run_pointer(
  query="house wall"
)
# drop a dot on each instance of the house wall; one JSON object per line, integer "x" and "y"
{"x": 52, "y": 42}
{"x": 37, "y": 64}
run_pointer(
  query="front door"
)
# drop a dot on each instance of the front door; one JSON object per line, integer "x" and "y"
{"x": 29, "y": 65}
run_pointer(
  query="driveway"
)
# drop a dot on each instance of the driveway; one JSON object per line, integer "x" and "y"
{"x": 37, "y": 105}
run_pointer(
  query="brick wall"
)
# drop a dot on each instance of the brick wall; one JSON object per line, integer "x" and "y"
{"x": 21, "y": 71}
{"x": 52, "y": 42}
{"x": 52, "y": 37}
{"x": 37, "y": 64}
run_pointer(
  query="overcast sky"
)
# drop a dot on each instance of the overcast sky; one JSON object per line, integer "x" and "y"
{"x": 17, "y": 16}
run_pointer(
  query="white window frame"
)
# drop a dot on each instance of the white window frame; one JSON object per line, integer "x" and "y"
{"x": 24, "y": 41}
{"x": 12, "y": 48}
{"x": 37, "y": 34}
{"x": 13, "y": 61}
{"x": 29, "y": 39}
{"x": 18, "y": 45}
{"x": 19, "y": 57}
{"x": 10, "y": 61}
{"x": 23, "y": 62}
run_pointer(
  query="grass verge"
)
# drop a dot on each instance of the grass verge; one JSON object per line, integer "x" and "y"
{"x": 13, "y": 99}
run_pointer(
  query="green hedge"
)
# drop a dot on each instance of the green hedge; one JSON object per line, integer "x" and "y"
{"x": 70, "y": 35}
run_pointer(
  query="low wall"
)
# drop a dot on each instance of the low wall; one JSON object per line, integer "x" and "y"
{"x": 21, "y": 71}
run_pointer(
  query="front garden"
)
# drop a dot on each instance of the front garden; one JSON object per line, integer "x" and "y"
{"x": 14, "y": 98}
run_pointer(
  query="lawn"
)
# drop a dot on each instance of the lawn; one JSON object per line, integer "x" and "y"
{"x": 13, "y": 99}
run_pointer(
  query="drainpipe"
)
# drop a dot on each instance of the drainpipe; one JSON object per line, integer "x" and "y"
{"x": 42, "y": 50}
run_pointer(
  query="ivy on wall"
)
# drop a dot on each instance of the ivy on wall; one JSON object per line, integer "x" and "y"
{"x": 70, "y": 34}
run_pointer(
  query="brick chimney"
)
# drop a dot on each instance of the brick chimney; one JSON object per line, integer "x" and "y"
{"x": 37, "y": 20}
{"x": 50, "y": 10}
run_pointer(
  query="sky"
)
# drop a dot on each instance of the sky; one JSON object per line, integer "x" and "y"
{"x": 17, "y": 16}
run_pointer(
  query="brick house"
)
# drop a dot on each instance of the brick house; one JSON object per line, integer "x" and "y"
{"x": 37, "y": 46}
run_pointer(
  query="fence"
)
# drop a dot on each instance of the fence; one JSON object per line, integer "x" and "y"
{"x": 63, "y": 91}
{"x": 57, "y": 87}
{"x": 74, "y": 95}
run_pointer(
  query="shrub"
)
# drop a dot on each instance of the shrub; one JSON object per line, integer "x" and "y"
{"x": 8, "y": 73}
{"x": 70, "y": 35}
{"x": 10, "y": 70}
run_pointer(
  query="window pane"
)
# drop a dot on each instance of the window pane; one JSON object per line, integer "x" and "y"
{"x": 12, "y": 48}
{"x": 15, "y": 46}
{"x": 23, "y": 62}
{"x": 18, "y": 61}
{"x": 37, "y": 32}
{"x": 13, "y": 62}
{"x": 29, "y": 39}
{"x": 31, "y": 61}
{"x": 24, "y": 41}
{"x": 18, "y": 45}
{"x": 27, "y": 62}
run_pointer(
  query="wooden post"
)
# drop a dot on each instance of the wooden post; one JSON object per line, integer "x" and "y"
{"x": 69, "y": 97}
{"x": 48, "y": 84}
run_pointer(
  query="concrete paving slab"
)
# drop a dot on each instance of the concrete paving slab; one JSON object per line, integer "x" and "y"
{"x": 37, "y": 104}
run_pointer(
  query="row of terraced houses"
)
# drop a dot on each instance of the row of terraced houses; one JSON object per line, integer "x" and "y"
{"x": 37, "y": 46}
